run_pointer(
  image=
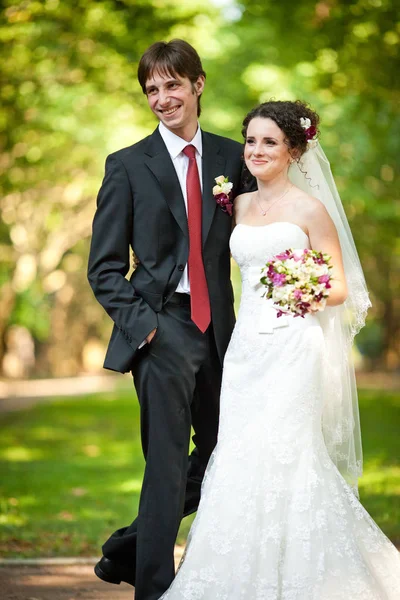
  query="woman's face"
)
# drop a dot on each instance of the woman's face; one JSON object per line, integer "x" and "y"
{"x": 266, "y": 154}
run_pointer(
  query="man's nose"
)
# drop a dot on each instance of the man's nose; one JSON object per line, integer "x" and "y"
{"x": 163, "y": 97}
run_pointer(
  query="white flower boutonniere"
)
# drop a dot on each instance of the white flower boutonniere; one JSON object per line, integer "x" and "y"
{"x": 222, "y": 192}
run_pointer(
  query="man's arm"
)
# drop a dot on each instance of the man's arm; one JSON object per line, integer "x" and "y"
{"x": 109, "y": 257}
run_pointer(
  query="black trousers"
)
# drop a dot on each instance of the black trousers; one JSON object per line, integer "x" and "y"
{"x": 177, "y": 378}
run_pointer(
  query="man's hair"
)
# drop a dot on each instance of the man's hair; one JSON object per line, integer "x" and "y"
{"x": 176, "y": 57}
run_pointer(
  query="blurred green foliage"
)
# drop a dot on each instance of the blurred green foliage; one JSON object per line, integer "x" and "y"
{"x": 69, "y": 96}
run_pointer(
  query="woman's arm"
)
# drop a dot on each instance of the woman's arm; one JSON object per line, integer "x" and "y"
{"x": 324, "y": 238}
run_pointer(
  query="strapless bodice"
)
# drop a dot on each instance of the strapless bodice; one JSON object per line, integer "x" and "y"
{"x": 252, "y": 246}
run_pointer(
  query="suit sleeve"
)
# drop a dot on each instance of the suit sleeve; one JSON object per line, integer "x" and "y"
{"x": 109, "y": 257}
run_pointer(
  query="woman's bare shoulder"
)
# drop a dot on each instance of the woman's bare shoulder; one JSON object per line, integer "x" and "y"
{"x": 308, "y": 206}
{"x": 244, "y": 198}
{"x": 241, "y": 203}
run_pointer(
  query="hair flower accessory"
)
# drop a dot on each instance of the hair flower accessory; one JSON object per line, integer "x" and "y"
{"x": 222, "y": 192}
{"x": 310, "y": 131}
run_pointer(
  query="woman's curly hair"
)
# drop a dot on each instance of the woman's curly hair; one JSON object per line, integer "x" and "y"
{"x": 287, "y": 116}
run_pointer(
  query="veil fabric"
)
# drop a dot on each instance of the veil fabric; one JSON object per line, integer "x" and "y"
{"x": 340, "y": 419}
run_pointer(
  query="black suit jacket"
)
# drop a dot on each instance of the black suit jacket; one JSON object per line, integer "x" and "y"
{"x": 140, "y": 206}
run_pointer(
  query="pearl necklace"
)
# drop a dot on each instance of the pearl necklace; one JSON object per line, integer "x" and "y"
{"x": 264, "y": 211}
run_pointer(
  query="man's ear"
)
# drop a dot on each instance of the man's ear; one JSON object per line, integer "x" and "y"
{"x": 199, "y": 85}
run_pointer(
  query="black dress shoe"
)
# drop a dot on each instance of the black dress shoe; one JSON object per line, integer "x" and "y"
{"x": 112, "y": 572}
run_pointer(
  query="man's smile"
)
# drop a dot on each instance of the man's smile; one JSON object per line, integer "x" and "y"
{"x": 169, "y": 111}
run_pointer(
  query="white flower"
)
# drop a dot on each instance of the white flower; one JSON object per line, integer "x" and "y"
{"x": 309, "y": 263}
{"x": 282, "y": 293}
{"x": 291, "y": 264}
{"x": 220, "y": 179}
{"x": 226, "y": 187}
{"x": 319, "y": 288}
{"x": 312, "y": 143}
{"x": 305, "y": 122}
{"x": 307, "y": 298}
{"x": 318, "y": 270}
{"x": 318, "y": 305}
{"x": 216, "y": 190}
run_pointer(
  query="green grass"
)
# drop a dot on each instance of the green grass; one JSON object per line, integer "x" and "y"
{"x": 71, "y": 472}
{"x": 380, "y": 484}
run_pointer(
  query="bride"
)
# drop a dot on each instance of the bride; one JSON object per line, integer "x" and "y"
{"x": 279, "y": 517}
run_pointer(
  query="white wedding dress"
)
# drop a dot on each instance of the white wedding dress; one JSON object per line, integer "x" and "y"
{"x": 276, "y": 520}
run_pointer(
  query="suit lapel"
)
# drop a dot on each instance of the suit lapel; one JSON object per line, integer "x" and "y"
{"x": 160, "y": 164}
{"x": 213, "y": 166}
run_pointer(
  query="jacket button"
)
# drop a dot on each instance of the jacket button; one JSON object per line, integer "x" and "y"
{"x": 181, "y": 267}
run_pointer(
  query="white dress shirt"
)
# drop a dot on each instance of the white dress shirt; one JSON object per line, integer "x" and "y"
{"x": 175, "y": 145}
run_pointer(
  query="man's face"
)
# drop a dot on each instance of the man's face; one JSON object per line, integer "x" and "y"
{"x": 173, "y": 99}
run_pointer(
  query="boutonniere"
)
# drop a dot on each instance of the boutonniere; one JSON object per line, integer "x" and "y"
{"x": 223, "y": 193}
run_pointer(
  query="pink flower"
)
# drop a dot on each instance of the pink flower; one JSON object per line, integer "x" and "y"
{"x": 297, "y": 294}
{"x": 284, "y": 255}
{"x": 224, "y": 201}
{"x": 311, "y": 132}
{"x": 279, "y": 279}
{"x": 319, "y": 259}
{"x": 325, "y": 279}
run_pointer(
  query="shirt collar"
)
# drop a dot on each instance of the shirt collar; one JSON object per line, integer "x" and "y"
{"x": 176, "y": 144}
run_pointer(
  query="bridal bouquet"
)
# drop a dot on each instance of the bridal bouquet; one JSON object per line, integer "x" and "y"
{"x": 298, "y": 281}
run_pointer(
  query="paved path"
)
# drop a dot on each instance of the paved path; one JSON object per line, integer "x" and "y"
{"x": 61, "y": 582}
{"x": 74, "y": 582}
{"x": 18, "y": 395}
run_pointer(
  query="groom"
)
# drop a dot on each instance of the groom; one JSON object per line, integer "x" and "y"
{"x": 174, "y": 317}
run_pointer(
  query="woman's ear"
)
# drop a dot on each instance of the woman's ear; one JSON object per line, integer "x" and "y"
{"x": 294, "y": 155}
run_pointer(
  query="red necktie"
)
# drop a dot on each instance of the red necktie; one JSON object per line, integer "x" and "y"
{"x": 199, "y": 299}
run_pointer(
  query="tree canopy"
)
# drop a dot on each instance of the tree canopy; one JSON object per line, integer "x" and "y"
{"x": 70, "y": 96}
